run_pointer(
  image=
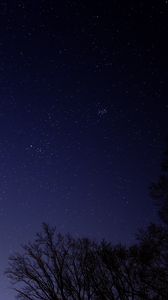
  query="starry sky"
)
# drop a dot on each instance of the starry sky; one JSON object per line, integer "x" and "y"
{"x": 83, "y": 118}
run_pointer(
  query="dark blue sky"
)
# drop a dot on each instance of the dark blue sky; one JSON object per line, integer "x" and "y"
{"x": 83, "y": 118}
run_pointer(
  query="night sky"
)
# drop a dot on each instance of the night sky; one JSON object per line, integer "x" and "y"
{"x": 83, "y": 118}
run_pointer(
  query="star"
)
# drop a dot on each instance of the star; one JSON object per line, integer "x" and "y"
{"x": 102, "y": 112}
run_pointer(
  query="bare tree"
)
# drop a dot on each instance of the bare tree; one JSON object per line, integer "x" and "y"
{"x": 53, "y": 267}
{"x": 56, "y": 267}
{"x": 59, "y": 267}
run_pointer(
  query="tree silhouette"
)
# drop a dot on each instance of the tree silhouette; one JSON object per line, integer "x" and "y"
{"x": 53, "y": 267}
{"x": 60, "y": 267}
{"x": 159, "y": 190}
{"x": 151, "y": 262}
{"x": 152, "y": 250}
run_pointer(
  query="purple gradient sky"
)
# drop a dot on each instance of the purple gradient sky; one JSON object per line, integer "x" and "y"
{"x": 83, "y": 118}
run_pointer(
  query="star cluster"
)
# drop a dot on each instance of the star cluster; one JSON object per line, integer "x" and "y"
{"x": 83, "y": 117}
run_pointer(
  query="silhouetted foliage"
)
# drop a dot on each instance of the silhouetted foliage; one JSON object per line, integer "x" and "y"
{"x": 60, "y": 267}
{"x": 152, "y": 261}
{"x": 53, "y": 267}
{"x": 159, "y": 190}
